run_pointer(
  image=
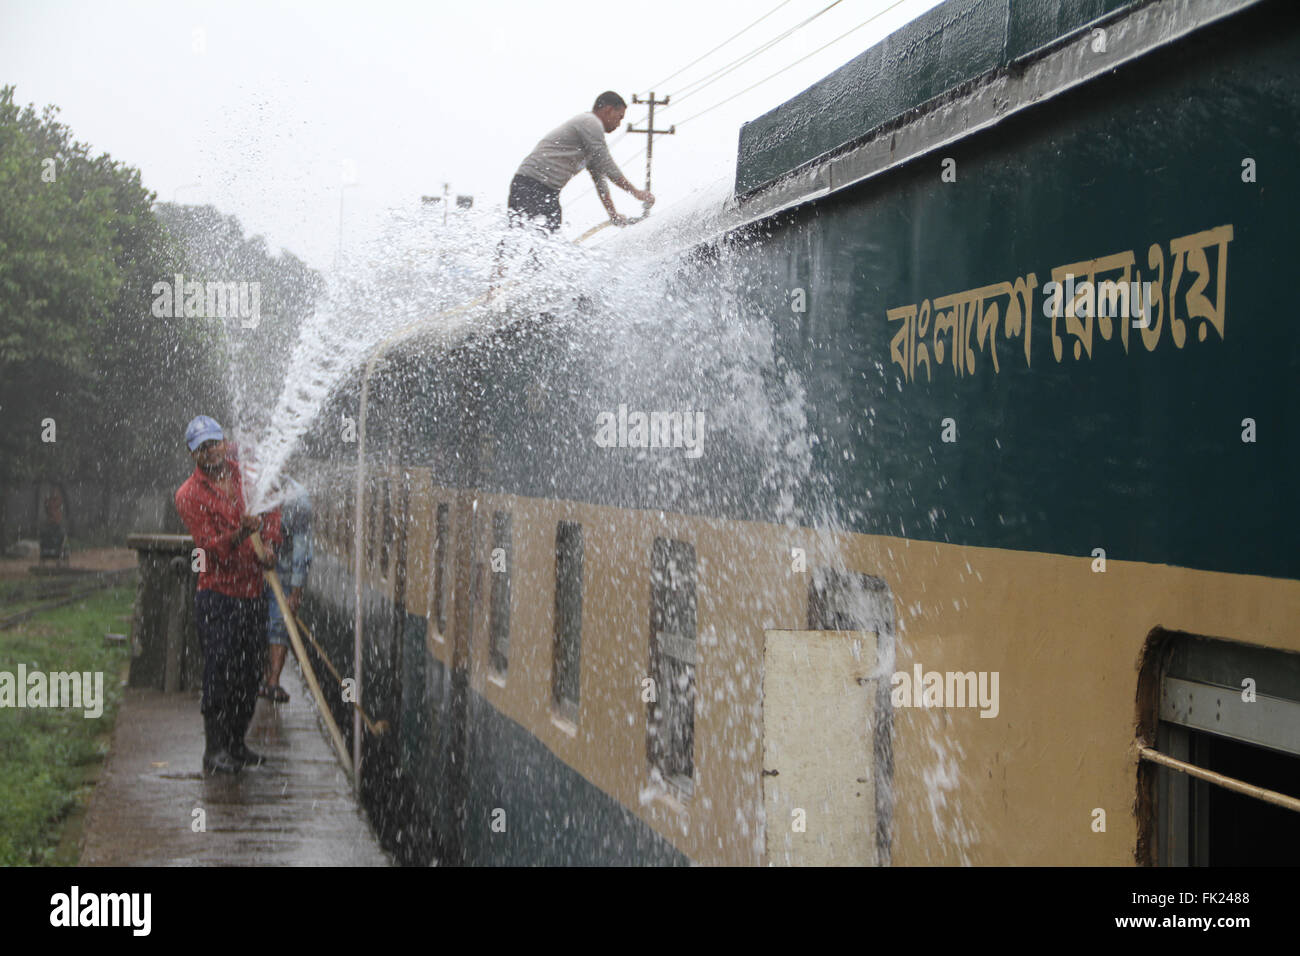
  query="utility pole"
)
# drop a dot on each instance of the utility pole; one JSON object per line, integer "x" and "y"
{"x": 650, "y": 132}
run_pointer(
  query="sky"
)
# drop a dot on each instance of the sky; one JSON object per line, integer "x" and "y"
{"x": 313, "y": 122}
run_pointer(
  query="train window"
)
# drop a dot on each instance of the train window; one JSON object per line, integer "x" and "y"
{"x": 328, "y": 503}
{"x": 670, "y": 733}
{"x": 848, "y": 601}
{"x": 372, "y": 510}
{"x": 1227, "y": 722}
{"x": 499, "y": 642}
{"x": 440, "y": 576}
{"x": 321, "y": 509}
{"x": 347, "y": 540}
{"x": 566, "y": 673}
{"x": 346, "y": 516}
{"x": 387, "y": 530}
{"x": 346, "y": 520}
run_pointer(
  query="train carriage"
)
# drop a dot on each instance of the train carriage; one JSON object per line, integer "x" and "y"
{"x": 936, "y": 510}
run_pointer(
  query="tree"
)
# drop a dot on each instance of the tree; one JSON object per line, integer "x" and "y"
{"x": 80, "y": 249}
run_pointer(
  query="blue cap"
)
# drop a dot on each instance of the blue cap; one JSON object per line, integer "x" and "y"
{"x": 202, "y": 429}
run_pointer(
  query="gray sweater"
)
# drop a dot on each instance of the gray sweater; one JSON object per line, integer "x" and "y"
{"x": 565, "y": 150}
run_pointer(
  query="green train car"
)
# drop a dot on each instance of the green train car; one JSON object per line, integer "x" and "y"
{"x": 937, "y": 509}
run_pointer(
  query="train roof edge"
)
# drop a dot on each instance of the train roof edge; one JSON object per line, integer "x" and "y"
{"x": 957, "y": 48}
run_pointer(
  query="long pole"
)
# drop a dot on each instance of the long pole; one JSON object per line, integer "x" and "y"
{"x": 358, "y": 525}
{"x": 1219, "y": 780}
{"x": 375, "y": 728}
{"x": 273, "y": 580}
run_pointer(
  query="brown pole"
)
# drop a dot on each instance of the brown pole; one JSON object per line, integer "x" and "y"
{"x": 273, "y": 580}
{"x": 1218, "y": 779}
{"x": 375, "y": 728}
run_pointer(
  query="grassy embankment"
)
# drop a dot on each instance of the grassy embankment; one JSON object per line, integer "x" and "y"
{"x": 49, "y": 758}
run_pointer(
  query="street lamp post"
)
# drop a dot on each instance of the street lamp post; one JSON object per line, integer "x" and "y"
{"x": 339, "y": 252}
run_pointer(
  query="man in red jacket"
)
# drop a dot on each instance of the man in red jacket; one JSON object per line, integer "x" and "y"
{"x": 229, "y": 607}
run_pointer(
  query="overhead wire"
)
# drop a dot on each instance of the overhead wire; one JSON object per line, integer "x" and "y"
{"x": 790, "y": 66}
{"x": 709, "y": 79}
{"x": 705, "y": 56}
{"x": 690, "y": 89}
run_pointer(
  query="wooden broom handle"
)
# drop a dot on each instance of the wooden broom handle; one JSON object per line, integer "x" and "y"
{"x": 273, "y": 580}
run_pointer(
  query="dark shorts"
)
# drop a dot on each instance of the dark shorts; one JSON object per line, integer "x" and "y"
{"x": 531, "y": 200}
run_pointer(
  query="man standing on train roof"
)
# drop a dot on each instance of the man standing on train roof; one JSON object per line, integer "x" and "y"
{"x": 561, "y": 154}
{"x": 229, "y": 609}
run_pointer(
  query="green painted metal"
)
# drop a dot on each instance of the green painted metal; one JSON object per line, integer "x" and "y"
{"x": 943, "y": 48}
{"x": 1136, "y": 451}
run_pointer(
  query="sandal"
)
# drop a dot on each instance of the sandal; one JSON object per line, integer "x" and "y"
{"x": 277, "y": 693}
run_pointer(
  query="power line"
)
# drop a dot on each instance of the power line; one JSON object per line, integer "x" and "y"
{"x": 718, "y": 74}
{"x": 702, "y": 57}
{"x": 705, "y": 56}
{"x": 735, "y": 64}
{"x": 709, "y": 79}
{"x": 792, "y": 65}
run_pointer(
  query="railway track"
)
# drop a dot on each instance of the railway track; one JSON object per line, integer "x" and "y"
{"x": 53, "y": 594}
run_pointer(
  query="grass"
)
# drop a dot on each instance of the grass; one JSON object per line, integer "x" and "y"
{"x": 47, "y": 755}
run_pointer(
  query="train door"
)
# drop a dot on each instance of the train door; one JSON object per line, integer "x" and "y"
{"x": 818, "y": 785}
{"x": 827, "y": 753}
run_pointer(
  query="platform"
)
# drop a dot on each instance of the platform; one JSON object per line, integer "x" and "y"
{"x": 295, "y": 810}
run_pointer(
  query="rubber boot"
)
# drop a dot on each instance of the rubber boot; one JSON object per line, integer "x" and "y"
{"x": 246, "y": 757}
{"x": 240, "y": 720}
{"x": 216, "y": 753}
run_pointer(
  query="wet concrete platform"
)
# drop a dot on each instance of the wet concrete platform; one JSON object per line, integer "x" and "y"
{"x": 297, "y": 809}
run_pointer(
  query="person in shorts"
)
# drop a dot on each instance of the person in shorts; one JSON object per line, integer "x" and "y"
{"x": 293, "y": 565}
